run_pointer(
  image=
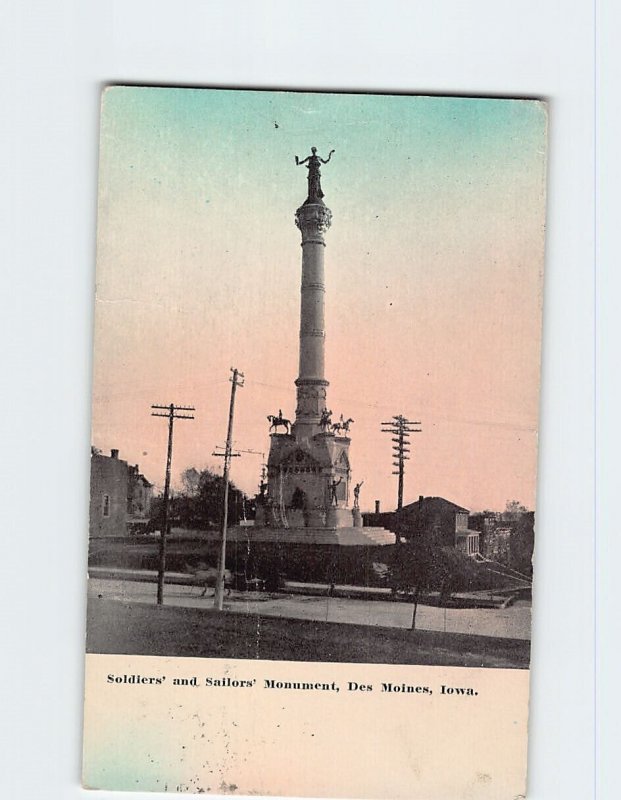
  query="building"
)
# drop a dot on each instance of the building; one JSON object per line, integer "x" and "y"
{"x": 507, "y": 537}
{"x": 431, "y": 516}
{"x": 139, "y": 496}
{"x": 120, "y": 496}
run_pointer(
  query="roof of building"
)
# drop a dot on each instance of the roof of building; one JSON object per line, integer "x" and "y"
{"x": 436, "y": 504}
{"x": 134, "y": 469}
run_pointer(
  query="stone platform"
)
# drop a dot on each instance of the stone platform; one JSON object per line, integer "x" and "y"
{"x": 344, "y": 537}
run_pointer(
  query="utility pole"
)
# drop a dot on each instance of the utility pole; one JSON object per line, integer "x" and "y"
{"x": 171, "y": 414}
{"x": 400, "y": 427}
{"x": 262, "y": 484}
{"x": 254, "y": 453}
{"x": 219, "y": 594}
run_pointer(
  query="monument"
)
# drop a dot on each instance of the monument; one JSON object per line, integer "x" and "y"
{"x": 308, "y": 469}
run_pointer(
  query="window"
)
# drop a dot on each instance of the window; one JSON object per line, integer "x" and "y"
{"x": 461, "y": 521}
{"x": 105, "y": 505}
{"x": 473, "y": 545}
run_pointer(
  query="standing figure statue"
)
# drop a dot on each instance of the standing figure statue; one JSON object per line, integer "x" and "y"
{"x": 333, "y": 487}
{"x": 357, "y": 488}
{"x": 315, "y": 194}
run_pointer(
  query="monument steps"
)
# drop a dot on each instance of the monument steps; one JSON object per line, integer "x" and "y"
{"x": 347, "y": 537}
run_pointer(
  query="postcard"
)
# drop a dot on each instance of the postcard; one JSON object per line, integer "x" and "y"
{"x": 314, "y": 443}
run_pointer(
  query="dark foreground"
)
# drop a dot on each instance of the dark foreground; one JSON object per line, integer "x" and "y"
{"x": 141, "y": 629}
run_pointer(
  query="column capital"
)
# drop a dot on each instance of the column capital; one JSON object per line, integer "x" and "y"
{"x": 313, "y": 220}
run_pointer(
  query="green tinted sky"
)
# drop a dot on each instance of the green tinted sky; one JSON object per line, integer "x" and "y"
{"x": 433, "y": 268}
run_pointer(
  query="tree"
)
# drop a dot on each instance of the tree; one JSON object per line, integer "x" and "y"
{"x": 523, "y": 542}
{"x": 424, "y": 564}
{"x": 190, "y": 480}
{"x": 418, "y": 567}
{"x": 200, "y": 502}
{"x": 521, "y": 522}
{"x": 513, "y": 510}
{"x": 208, "y": 501}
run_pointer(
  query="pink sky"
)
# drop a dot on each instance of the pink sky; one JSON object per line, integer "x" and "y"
{"x": 433, "y": 266}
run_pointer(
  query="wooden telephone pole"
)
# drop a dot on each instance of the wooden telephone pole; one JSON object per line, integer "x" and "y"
{"x": 219, "y": 594}
{"x": 400, "y": 428}
{"x": 171, "y": 414}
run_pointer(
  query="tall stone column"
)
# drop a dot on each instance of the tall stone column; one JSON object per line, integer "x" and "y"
{"x": 313, "y": 219}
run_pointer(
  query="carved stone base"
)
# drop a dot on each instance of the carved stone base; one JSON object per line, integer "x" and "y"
{"x": 301, "y": 470}
{"x": 339, "y": 518}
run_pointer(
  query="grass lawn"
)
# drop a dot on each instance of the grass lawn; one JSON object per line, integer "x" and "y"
{"x": 141, "y": 629}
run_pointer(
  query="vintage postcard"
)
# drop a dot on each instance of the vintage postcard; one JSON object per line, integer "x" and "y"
{"x": 314, "y": 443}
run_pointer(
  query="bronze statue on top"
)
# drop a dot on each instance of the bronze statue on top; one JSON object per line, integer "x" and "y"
{"x": 315, "y": 194}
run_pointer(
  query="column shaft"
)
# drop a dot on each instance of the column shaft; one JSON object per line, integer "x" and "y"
{"x": 312, "y": 313}
{"x": 313, "y": 219}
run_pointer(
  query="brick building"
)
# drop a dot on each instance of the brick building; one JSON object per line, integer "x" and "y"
{"x": 120, "y": 496}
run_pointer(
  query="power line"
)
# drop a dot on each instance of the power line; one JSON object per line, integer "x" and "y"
{"x": 400, "y": 427}
{"x": 171, "y": 414}
{"x": 252, "y": 452}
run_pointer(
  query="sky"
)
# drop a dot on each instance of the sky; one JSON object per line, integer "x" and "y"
{"x": 434, "y": 267}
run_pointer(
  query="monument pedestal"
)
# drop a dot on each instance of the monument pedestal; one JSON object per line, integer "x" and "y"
{"x": 310, "y": 518}
{"x": 339, "y": 518}
{"x": 301, "y": 470}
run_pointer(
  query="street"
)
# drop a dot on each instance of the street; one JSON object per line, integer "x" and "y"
{"x": 512, "y": 622}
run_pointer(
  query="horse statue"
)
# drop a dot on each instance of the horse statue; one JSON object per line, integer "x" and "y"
{"x": 342, "y": 425}
{"x": 278, "y": 422}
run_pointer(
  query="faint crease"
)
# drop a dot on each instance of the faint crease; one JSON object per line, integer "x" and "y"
{"x": 134, "y": 301}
